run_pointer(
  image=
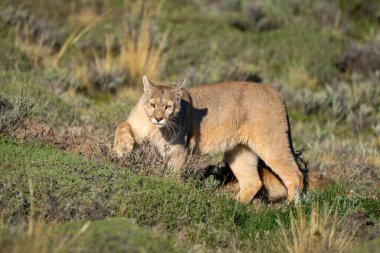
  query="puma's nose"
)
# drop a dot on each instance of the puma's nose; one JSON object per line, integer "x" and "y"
{"x": 158, "y": 118}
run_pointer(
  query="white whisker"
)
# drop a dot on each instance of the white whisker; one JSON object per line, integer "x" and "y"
{"x": 172, "y": 126}
{"x": 175, "y": 124}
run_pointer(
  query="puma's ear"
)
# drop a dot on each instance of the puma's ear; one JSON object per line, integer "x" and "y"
{"x": 179, "y": 88}
{"x": 147, "y": 84}
{"x": 181, "y": 85}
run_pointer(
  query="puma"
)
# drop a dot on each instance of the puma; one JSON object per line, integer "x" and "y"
{"x": 245, "y": 121}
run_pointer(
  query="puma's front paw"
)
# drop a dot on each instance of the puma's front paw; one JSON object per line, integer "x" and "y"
{"x": 123, "y": 143}
{"x": 123, "y": 146}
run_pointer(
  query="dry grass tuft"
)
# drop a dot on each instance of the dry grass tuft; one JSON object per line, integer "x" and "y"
{"x": 37, "y": 53}
{"x": 47, "y": 54}
{"x": 315, "y": 234}
{"x": 126, "y": 58}
{"x": 139, "y": 53}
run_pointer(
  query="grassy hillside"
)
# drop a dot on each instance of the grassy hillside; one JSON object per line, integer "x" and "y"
{"x": 40, "y": 183}
{"x": 71, "y": 70}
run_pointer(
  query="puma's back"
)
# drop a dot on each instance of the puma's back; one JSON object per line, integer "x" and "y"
{"x": 228, "y": 114}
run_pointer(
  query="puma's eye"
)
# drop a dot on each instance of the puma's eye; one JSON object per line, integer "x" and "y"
{"x": 152, "y": 105}
{"x": 167, "y": 107}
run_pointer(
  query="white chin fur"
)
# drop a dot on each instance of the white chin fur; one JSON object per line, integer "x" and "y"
{"x": 159, "y": 125}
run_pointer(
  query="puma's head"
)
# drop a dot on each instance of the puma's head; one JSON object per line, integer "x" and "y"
{"x": 162, "y": 102}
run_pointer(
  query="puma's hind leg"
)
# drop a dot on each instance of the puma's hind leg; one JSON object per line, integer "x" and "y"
{"x": 283, "y": 164}
{"x": 243, "y": 163}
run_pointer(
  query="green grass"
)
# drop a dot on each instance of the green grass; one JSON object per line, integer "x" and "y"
{"x": 67, "y": 187}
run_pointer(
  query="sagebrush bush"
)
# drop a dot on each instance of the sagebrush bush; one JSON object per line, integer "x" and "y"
{"x": 11, "y": 120}
{"x": 355, "y": 102}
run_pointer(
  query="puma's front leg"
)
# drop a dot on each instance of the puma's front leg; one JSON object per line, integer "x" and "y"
{"x": 124, "y": 141}
{"x": 177, "y": 157}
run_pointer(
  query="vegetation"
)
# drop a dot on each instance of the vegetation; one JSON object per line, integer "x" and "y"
{"x": 70, "y": 71}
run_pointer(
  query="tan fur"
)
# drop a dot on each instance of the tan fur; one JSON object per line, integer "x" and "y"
{"x": 241, "y": 119}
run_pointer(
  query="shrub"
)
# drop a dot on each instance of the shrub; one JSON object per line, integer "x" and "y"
{"x": 354, "y": 102}
{"x": 11, "y": 120}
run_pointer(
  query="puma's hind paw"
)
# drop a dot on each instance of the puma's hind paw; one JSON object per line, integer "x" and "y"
{"x": 297, "y": 197}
